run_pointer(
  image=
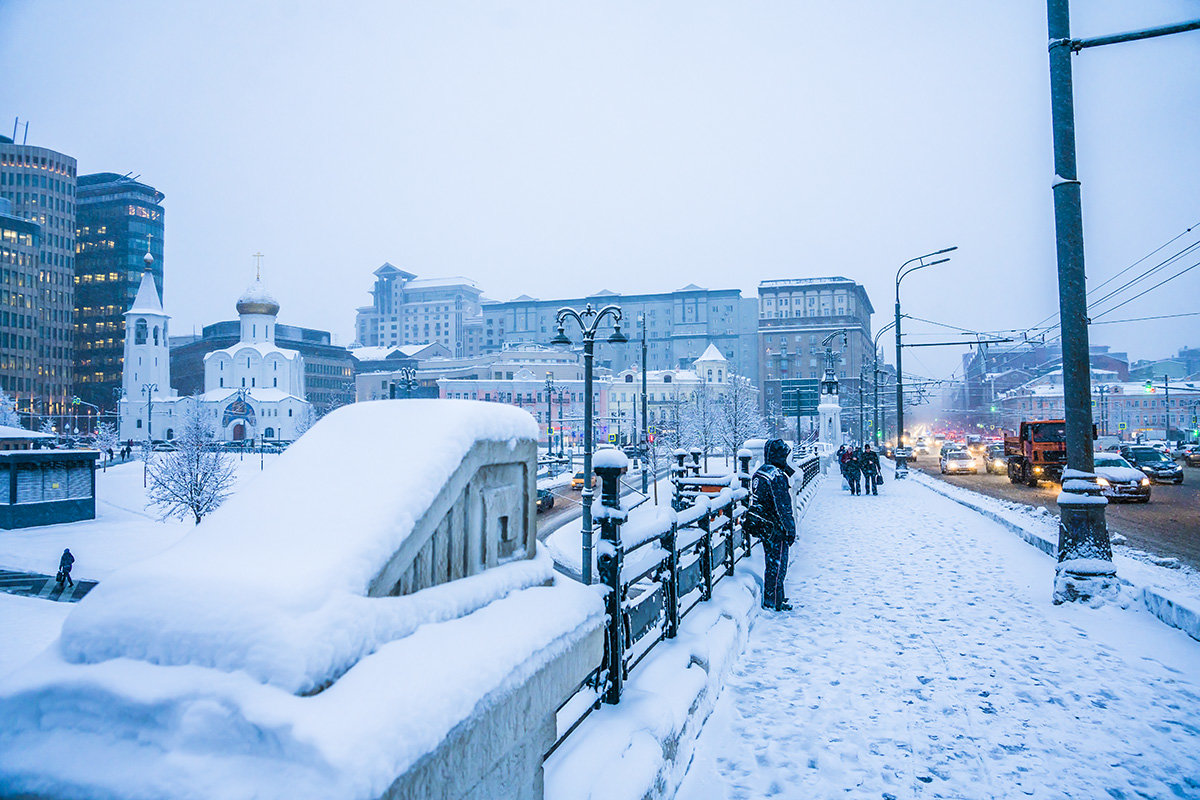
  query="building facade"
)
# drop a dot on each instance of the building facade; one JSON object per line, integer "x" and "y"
{"x": 666, "y": 391}
{"x": 20, "y": 246}
{"x": 328, "y": 368}
{"x": 40, "y": 184}
{"x": 679, "y": 326}
{"x": 406, "y": 310}
{"x": 794, "y": 316}
{"x": 118, "y": 220}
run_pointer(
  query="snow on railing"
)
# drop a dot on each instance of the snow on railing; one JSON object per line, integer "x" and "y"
{"x": 657, "y": 565}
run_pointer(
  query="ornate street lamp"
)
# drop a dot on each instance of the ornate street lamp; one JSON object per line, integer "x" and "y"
{"x": 906, "y": 269}
{"x": 549, "y": 415}
{"x": 589, "y": 320}
{"x": 408, "y": 376}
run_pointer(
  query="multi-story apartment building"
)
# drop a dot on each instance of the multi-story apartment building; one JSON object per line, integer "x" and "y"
{"x": 20, "y": 245}
{"x": 794, "y": 316}
{"x": 328, "y": 368}
{"x": 406, "y": 309}
{"x": 40, "y": 184}
{"x": 118, "y": 220}
{"x": 679, "y": 326}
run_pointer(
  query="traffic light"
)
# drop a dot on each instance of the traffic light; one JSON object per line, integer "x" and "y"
{"x": 1149, "y": 387}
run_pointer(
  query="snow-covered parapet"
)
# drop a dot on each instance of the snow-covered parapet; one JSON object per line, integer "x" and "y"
{"x": 367, "y": 611}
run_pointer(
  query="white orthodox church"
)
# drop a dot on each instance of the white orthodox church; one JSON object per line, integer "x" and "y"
{"x": 252, "y": 390}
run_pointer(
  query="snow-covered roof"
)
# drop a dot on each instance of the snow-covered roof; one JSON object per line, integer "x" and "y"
{"x": 146, "y": 301}
{"x": 439, "y": 283}
{"x": 711, "y": 354}
{"x": 10, "y": 432}
{"x": 261, "y": 395}
{"x": 264, "y": 349}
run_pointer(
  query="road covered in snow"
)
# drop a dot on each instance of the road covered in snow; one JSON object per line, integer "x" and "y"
{"x": 925, "y": 659}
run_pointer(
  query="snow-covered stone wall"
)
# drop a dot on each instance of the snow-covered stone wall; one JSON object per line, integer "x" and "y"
{"x": 372, "y": 607}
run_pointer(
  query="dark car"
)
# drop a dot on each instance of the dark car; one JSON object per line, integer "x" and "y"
{"x": 1157, "y": 465}
{"x": 1192, "y": 458}
{"x": 545, "y": 500}
{"x": 994, "y": 459}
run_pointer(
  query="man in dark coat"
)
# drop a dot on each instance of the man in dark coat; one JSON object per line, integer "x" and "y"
{"x": 853, "y": 471}
{"x": 771, "y": 499}
{"x": 64, "y": 567}
{"x": 869, "y": 464}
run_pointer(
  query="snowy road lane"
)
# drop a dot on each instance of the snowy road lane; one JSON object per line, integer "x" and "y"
{"x": 924, "y": 659}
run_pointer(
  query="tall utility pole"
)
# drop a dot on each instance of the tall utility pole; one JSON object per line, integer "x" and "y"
{"x": 1167, "y": 403}
{"x": 1085, "y": 567}
{"x": 645, "y": 448}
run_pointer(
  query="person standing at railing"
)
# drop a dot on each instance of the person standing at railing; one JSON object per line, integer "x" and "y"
{"x": 869, "y": 463}
{"x": 771, "y": 501}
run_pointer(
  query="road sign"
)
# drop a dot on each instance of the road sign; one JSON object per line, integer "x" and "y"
{"x": 807, "y": 392}
{"x": 1121, "y": 426}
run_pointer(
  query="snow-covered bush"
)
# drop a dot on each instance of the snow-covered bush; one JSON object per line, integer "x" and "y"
{"x": 8, "y": 411}
{"x": 196, "y": 477}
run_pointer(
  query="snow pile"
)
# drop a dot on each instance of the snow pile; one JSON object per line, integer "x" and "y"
{"x": 133, "y": 729}
{"x": 273, "y": 582}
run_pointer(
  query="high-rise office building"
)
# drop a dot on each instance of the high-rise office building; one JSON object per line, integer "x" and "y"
{"x": 20, "y": 242}
{"x": 40, "y": 185}
{"x": 794, "y": 316}
{"x": 406, "y": 309}
{"x": 118, "y": 221}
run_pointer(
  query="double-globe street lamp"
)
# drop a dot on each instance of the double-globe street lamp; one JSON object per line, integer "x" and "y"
{"x": 408, "y": 376}
{"x": 589, "y": 320}
{"x": 906, "y": 269}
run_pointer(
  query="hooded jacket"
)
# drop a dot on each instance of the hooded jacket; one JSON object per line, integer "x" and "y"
{"x": 769, "y": 495}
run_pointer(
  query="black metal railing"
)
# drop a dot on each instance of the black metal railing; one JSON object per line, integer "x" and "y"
{"x": 658, "y": 567}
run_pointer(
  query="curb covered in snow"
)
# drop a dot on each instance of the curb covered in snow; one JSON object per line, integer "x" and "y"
{"x": 1175, "y": 611}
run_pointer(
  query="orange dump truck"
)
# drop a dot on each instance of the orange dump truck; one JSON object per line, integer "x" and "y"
{"x": 1038, "y": 452}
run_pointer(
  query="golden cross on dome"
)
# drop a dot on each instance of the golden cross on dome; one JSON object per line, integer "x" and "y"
{"x": 258, "y": 257}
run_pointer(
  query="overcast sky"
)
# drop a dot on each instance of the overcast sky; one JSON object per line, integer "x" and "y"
{"x": 555, "y": 148}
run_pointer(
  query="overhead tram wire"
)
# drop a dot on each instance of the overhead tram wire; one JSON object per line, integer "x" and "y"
{"x": 1146, "y": 291}
{"x": 1146, "y": 319}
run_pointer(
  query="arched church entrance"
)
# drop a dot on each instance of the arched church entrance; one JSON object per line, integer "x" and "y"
{"x": 239, "y": 432}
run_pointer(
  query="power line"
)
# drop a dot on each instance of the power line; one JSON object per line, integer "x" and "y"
{"x": 1152, "y": 288}
{"x": 1144, "y": 319}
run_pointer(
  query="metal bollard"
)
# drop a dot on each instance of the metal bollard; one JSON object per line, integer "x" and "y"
{"x": 612, "y": 556}
{"x": 671, "y": 599}
{"x": 695, "y": 465}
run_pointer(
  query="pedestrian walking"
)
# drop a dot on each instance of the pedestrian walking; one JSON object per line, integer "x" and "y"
{"x": 853, "y": 471}
{"x": 843, "y": 456}
{"x": 64, "y": 568}
{"x": 771, "y": 502}
{"x": 872, "y": 474}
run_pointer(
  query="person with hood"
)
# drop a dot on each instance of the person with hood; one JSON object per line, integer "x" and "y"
{"x": 771, "y": 500}
{"x": 853, "y": 469}
{"x": 64, "y": 567}
{"x": 843, "y": 455}
{"x": 869, "y": 464}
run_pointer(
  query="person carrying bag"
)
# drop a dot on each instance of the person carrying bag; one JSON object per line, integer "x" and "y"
{"x": 770, "y": 515}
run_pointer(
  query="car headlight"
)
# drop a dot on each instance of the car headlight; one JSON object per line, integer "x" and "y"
{"x": 1102, "y": 482}
{"x": 1145, "y": 481}
{"x": 1037, "y": 470}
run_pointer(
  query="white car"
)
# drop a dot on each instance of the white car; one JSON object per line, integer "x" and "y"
{"x": 1119, "y": 480}
{"x": 959, "y": 461}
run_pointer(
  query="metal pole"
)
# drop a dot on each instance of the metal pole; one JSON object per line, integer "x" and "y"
{"x": 899, "y": 379}
{"x": 549, "y": 416}
{"x": 1167, "y": 402}
{"x": 561, "y": 447}
{"x": 1084, "y": 550}
{"x": 586, "y": 496}
{"x": 645, "y": 417}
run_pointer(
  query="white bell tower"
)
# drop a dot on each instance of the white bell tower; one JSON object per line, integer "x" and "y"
{"x": 147, "y": 368}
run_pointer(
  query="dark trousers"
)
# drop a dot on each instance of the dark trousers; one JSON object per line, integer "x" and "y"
{"x": 854, "y": 486}
{"x": 66, "y": 576}
{"x": 776, "y": 551}
{"x": 872, "y": 484}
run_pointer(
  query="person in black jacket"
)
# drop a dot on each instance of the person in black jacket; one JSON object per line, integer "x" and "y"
{"x": 64, "y": 567}
{"x": 869, "y": 464}
{"x": 853, "y": 469}
{"x": 771, "y": 499}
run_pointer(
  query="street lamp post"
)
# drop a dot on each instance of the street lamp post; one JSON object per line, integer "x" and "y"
{"x": 589, "y": 320}
{"x": 906, "y": 269}
{"x": 408, "y": 376}
{"x": 645, "y": 418}
{"x": 549, "y": 415}
{"x": 149, "y": 389}
{"x": 875, "y": 345}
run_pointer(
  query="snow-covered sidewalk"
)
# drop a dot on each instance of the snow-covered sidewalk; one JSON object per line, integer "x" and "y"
{"x": 925, "y": 659}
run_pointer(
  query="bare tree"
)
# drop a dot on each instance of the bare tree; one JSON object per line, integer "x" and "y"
{"x": 738, "y": 418}
{"x": 106, "y": 441}
{"x": 8, "y": 411}
{"x": 308, "y": 418}
{"x": 700, "y": 419}
{"x": 196, "y": 477}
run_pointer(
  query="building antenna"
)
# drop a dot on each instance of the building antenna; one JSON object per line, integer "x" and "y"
{"x": 26, "y": 137}
{"x": 16, "y": 122}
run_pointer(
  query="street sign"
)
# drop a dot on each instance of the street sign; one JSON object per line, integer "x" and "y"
{"x": 1121, "y": 426}
{"x": 807, "y": 392}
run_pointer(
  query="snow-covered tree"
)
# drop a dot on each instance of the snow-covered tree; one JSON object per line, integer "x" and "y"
{"x": 738, "y": 418}
{"x": 700, "y": 420}
{"x": 196, "y": 477}
{"x": 106, "y": 439}
{"x": 8, "y": 411}
{"x": 47, "y": 427}
{"x": 308, "y": 418}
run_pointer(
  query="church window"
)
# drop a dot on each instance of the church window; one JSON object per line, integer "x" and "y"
{"x": 156, "y": 335}
{"x": 139, "y": 332}
{"x": 252, "y": 382}
{"x": 243, "y": 383}
{"x": 289, "y": 412}
{"x": 222, "y": 383}
{"x": 247, "y": 362}
{"x": 276, "y": 382}
{"x": 720, "y": 376}
{"x": 253, "y": 331}
{"x": 170, "y": 433}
